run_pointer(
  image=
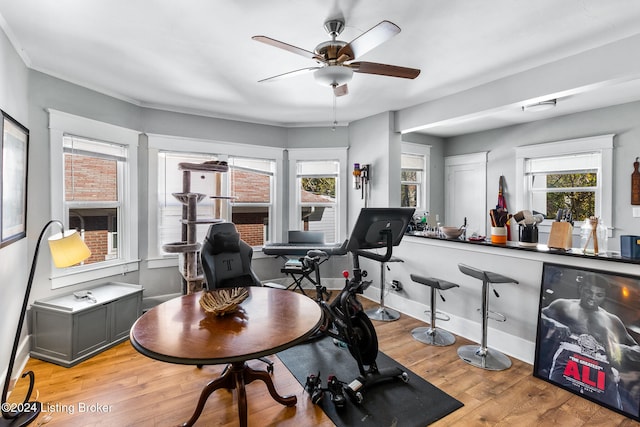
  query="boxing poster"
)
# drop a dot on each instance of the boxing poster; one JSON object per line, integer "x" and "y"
{"x": 588, "y": 335}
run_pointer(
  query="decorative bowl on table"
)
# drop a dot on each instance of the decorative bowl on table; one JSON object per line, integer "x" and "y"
{"x": 451, "y": 232}
{"x": 223, "y": 301}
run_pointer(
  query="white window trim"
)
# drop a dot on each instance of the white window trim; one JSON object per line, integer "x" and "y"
{"x": 421, "y": 150}
{"x": 311, "y": 154}
{"x": 61, "y": 123}
{"x": 157, "y": 143}
{"x": 599, "y": 143}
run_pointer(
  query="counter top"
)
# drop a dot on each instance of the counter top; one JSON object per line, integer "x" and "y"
{"x": 540, "y": 248}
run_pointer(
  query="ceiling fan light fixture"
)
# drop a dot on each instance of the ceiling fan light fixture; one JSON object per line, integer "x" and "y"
{"x": 333, "y": 75}
{"x": 539, "y": 106}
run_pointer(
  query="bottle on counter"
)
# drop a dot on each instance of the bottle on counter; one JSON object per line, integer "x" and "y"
{"x": 594, "y": 243}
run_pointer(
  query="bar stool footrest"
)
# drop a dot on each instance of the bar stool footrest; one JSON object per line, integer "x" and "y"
{"x": 494, "y": 315}
{"x": 439, "y": 315}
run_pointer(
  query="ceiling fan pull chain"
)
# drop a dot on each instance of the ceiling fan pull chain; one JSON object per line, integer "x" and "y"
{"x": 335, "y": 117}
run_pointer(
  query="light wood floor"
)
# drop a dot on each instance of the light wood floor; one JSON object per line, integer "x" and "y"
{"x": 133, "y": 390}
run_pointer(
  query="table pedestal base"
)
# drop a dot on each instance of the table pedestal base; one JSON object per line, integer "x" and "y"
{"x": 236, "y": 377}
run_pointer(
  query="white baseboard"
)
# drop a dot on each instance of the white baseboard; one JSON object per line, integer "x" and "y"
{"x": 22, "y": 357}
{"x": 511, "y": 345}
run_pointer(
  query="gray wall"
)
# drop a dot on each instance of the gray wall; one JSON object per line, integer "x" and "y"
{"x": 373, "y": 141}
{"x": 14, "y": 263}
{"x": 369, "y": 143}
{"x": 49, "y": 92}
{"x": 622, "y": 120}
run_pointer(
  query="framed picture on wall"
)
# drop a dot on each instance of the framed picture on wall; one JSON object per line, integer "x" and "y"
{"x": 588, "y": 335}
{"x": 13, "y": 166}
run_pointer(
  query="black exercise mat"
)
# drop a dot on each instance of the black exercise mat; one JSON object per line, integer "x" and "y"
{"x": 393, "y": 403}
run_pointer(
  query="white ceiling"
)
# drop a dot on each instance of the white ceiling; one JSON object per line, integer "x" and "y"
{"x": 197, "y": 56}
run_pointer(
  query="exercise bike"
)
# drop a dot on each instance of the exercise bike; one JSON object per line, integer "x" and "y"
{"x": 344, "y": 318}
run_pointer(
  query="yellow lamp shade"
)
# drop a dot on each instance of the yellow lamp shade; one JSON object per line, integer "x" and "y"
{"x": 68, "y": 249}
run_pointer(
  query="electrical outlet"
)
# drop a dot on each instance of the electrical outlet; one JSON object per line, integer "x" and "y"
{"x": 396, "y": 285}
{"x": 635, "y": 212}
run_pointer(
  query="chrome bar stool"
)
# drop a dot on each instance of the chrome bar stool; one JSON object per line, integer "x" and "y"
{"x": 433, "y": 335}
{"x": 383, "y": 313}
{"x": 482, "y": 356}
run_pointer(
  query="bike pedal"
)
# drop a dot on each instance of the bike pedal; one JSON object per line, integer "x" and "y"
{"x": 335, "y": 389}
{"x": 338, "y": 400}
{"x": 339, "y": 343}
{"x": 317, "y": 396}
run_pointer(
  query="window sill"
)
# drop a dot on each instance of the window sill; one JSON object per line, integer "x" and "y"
{"x": 171, "y": 261}
{"x": 162, "y": 262}
{"x": 75, "y": 275}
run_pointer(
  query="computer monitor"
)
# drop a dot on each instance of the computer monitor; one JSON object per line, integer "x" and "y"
{"x": 368, "y": 231}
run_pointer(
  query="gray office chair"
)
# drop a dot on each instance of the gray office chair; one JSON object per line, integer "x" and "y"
{"x": 226, "y": 259}
{"x": 226, "y": 262}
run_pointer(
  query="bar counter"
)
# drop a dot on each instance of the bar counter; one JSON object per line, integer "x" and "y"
{"x": 439, "y": 258}
{"x": 573, "y": 252}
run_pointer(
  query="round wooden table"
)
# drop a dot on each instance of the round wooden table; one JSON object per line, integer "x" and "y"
{"x": 268, "y": 321}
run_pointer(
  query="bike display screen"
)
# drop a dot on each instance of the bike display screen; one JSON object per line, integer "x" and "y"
{"x": 369, "y": 231}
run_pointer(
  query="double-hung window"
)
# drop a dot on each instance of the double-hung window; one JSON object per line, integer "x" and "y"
{"x": 169, "y": 209}
{"x": 567, "y": 176}
{"x": 414, "y": 173}
{"x": 316, "y": 189}
{"x": 252, "y": 192}
{"x": 248, "y": 191}
{"x": 92, "y": 194}
{"x": 94, "y": 190}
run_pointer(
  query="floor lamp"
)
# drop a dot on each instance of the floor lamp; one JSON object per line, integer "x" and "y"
{"x": 67, "y": 249}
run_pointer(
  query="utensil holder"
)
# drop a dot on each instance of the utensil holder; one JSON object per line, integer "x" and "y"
{"x": 528, "y": 235}
{"x": 560, "y": 236}
{"x": 499, "y": 235}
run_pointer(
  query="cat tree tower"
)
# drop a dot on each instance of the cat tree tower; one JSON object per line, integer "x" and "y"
{"x": 189, "y": 248}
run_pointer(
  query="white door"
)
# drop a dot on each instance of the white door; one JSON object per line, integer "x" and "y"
{"x": 465, "y": 192}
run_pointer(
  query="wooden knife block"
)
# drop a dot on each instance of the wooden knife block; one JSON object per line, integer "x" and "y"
{"x": 561, "y": 235}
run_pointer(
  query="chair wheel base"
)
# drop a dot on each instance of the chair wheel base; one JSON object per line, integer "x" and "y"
{"x": 434, "y": 336}
{"x": 491, "y": 360}
{"x": 383, "y": 314}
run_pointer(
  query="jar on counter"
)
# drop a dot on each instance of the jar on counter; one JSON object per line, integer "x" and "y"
{"x": 528, "y": 235}
{"x": 589, "y": 241}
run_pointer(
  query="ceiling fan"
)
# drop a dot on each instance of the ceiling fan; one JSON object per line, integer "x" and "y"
{"x": 336, "y": 57}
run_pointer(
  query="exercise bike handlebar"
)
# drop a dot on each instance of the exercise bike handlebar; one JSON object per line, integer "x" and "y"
{"x": 379, "y": 257}
{"x": 316, "y": 254}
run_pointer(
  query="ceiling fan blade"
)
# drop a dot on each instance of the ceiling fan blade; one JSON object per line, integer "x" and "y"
{"x": 288, "y": 47}
{"x": 368, "y": 40}
{"x": 384, "y": 70}
{"x": 341, "y": 90}
{"x": 289, "y": 74}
